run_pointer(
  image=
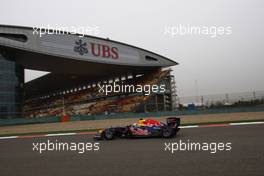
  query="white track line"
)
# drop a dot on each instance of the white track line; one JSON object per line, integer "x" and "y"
{"x": 9, "y": 137}
{"x": 245, "y": 123}
{"x": 61, "y": 134}
{"x": 190, "y": 126}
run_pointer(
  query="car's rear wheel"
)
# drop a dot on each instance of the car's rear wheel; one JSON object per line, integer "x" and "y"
{"x": 109, "y": 134}
{"x": 167, "y": 132}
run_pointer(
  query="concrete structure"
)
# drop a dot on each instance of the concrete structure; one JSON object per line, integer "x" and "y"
{"x": 69, "y": 58}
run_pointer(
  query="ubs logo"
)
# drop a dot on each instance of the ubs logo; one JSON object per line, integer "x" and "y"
{"x": 81, "y": 47}
{"x": 96, "y": 49}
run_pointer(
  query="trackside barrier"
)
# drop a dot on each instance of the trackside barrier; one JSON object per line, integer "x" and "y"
{"x": 21, "y": 121}
{"x": 168, "y": 113}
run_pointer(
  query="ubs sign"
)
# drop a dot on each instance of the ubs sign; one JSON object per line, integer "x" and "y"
{"x": 96, "y": 49}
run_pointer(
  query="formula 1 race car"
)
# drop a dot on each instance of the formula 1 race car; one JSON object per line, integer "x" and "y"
{"x": 149, "y": 128}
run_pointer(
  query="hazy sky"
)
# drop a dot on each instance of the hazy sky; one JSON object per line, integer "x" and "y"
{"x": 223, "y": 64}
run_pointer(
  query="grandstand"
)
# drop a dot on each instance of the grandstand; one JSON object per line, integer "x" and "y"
{"x": 77, "y": 69}
{"x": 86, "y": 100}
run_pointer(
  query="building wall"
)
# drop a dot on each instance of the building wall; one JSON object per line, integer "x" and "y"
{"x": 11, "y": 88}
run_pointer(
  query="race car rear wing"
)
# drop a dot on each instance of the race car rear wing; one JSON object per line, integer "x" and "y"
{"x": 173, "y": 122}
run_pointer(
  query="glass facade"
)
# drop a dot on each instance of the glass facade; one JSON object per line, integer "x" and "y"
{"x": 11, "y": 88}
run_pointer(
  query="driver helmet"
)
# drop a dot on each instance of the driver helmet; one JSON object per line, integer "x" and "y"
{"x": 141, "y": 121}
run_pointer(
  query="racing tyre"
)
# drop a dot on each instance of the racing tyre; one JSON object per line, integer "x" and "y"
{"x": 167, "y": 132}
{"x": 109, "y": 134}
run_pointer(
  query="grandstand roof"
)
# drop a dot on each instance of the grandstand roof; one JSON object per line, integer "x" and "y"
{"x": 69, "y": 56}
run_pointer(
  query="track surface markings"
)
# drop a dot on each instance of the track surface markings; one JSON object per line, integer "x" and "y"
{"x": 93, "y": 132}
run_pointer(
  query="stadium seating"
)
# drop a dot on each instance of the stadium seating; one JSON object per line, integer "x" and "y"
{"x": 89, "y": 101}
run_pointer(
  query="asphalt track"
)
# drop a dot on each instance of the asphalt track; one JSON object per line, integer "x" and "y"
{"x": 132, "y": 157}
